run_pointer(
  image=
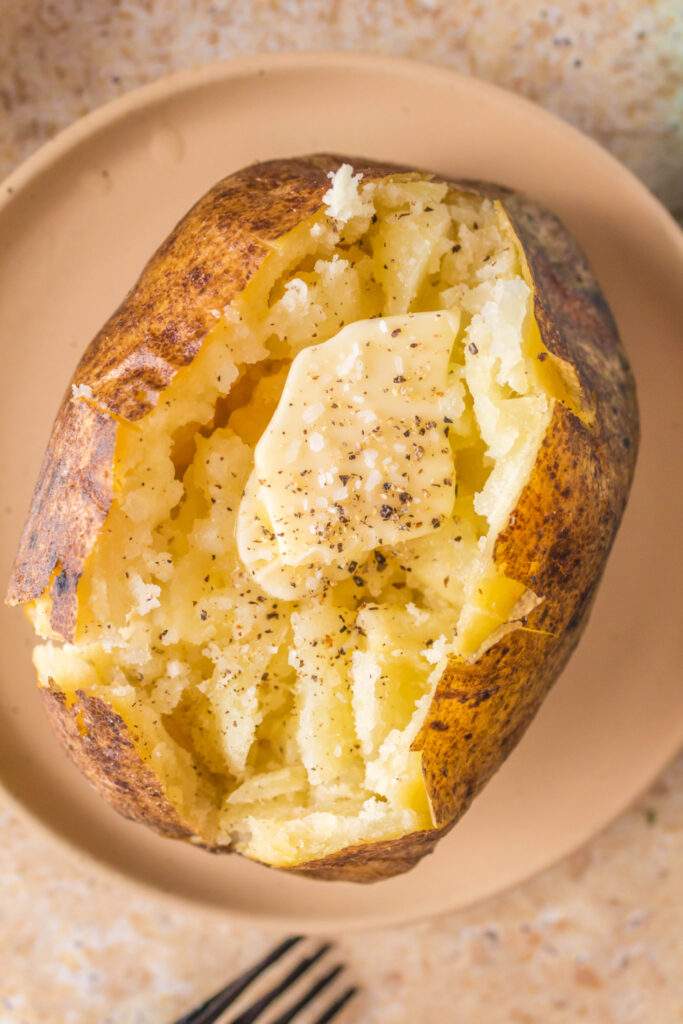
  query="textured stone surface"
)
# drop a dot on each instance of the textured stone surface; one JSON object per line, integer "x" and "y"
{"x": 599, "y": 937}
{"x": 614, "y": 69}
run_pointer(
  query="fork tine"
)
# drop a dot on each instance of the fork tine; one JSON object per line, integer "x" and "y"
{"x": 337, "y": 1006}
{"x": 254, "y": 1011}
{"x": 308, "y": 996}
{"x": 216, "y": 1004}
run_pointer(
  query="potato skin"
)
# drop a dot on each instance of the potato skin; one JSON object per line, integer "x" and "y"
{"x": 204, "y": 263}
{"x": 99, "y": 744}
{"x": 556, "y": 542}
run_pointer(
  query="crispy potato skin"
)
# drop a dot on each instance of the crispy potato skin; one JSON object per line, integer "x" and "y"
{"x": 556, "y": 542}
{"x": 558, "y": 537}
{"x": 204, "y": 263}
{"x": 99, "y": 744}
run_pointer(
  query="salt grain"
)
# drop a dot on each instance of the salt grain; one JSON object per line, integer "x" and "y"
{"x": 374, "y": 478}
{"x": 346, "y": 365}
{"x": 313, "y": 412}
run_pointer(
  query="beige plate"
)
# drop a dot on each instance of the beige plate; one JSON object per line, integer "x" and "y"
{"x": 77, "y": 223}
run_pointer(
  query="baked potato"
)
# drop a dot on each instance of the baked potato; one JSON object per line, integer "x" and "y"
{"x": 324, "y": 510}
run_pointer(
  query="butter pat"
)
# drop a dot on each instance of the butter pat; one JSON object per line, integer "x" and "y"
{"x": 355, "y": 456}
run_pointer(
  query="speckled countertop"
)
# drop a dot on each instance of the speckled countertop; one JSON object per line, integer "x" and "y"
{"x": 597, "y": 938}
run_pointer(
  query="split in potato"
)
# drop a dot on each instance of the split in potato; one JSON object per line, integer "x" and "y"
{"x": 346, "y": 543}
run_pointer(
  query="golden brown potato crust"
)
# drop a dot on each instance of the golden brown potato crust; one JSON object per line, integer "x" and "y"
{"x": 204, "y": 263}
{"x": 558, "y": 537}
{"x": 556, "y": 542}
{"x": 99, "y": 744}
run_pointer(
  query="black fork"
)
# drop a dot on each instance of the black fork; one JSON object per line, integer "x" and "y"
{"x": 214, "y": 1007}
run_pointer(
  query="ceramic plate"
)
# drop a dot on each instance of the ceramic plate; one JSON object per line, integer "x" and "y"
{"x": 78, "y": 221}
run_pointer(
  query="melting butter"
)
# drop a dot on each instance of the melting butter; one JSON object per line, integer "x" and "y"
{"x": 355, "y": 457}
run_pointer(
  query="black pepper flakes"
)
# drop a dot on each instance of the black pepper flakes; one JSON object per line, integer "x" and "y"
{"x": 380, "y": 560}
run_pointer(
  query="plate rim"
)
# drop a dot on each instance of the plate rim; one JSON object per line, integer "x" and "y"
{"x": 179, "y": 82}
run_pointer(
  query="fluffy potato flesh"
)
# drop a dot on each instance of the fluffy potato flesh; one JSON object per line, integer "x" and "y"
{"x": 273, "y": 647}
